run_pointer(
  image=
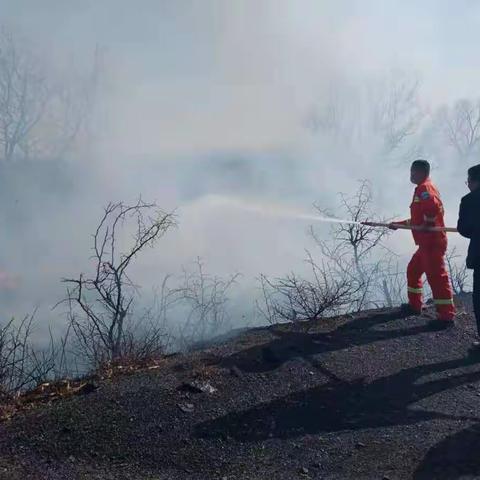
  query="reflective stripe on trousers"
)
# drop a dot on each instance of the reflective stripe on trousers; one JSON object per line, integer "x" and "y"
{"x": 443, "y": 301}
{"x": 418, "y": 291}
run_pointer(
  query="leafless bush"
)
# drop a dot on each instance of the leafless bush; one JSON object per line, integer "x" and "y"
{"x": 22, "y": 364}
{"x": 350, "y": 246}
{"x": 100, "y": 304}
{"x": 148, "y": 337}
{"x": 204, "y": 298}
{"x": 393, "y": 283}
{"x": 458, "y": 273}
{"x": 297, "y": 299}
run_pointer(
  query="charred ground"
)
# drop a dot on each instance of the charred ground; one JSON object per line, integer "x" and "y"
{"x": 368, "y": 396}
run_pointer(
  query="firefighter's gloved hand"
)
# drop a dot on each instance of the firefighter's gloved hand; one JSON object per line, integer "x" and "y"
{"x": 393, "y": 226}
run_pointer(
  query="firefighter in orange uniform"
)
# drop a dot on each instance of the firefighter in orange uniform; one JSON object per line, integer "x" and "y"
{"x": 426, "y": 211}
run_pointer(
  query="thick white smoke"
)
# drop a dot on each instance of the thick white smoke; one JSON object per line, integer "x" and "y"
{"x": 215, "y": 107}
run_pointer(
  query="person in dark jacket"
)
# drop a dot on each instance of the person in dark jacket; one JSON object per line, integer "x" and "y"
{"x": 469, "y": 227}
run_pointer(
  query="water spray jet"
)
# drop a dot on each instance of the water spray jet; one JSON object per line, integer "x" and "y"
{"x": 275, "y": 210}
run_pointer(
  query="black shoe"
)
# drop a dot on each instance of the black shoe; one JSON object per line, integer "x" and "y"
{"x": 407, "y": 310}
{"x": 440, "y": 324}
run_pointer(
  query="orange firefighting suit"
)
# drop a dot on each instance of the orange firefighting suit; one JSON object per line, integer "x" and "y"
{"x": 427, "y": 210}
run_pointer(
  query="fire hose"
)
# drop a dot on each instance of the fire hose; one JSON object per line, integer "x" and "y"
{"x": 402, "y": 226}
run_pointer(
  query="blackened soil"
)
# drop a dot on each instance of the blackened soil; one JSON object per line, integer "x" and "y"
{"x": 374, "y": 396}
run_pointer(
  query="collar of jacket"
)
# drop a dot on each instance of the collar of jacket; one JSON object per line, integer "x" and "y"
{"x": 474, "y": 194}
{"x": 427, "y": 181}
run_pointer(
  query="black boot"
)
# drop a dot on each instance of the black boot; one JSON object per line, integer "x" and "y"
{"x": 440, "y": 324}
{"x": 474, "y": 350}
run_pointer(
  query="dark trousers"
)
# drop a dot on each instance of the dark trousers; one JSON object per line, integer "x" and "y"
{"x": 476, "y": 296}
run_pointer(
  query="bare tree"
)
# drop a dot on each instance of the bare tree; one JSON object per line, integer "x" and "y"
{"x": 354, "y": 238}
{"x": 396, "y": 109}
{"x": 461, "y": 125}
{"x": 297, "y": 299}
{"x": 351, "y": 246}
{"x": 385, "y": 112}
{"x": 41, "y": 112}
{"x": 24, "y": 95}
{"x": 73, "y": 96}
{"x": 101, "y": 303}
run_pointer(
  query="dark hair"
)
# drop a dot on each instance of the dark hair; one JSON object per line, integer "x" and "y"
{"x": 474, "y": 173}
{"x": 422, "y": 165}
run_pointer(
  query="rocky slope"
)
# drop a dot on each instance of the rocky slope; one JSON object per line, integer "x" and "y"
{"x": 373, "y": 396}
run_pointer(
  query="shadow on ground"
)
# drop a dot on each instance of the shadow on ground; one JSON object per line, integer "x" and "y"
{"x": 453, "y": 458}
{"x": 342, "y": 405}
{"x": 288, "y": 345}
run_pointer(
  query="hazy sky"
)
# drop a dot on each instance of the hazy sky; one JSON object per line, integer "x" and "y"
{"x": 239, "y": 74}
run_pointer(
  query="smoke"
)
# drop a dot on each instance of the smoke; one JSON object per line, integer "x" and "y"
{"x": 239, "y": 115}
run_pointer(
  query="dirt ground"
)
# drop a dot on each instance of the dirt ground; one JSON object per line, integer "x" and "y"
{"x": 371, "y": 396}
